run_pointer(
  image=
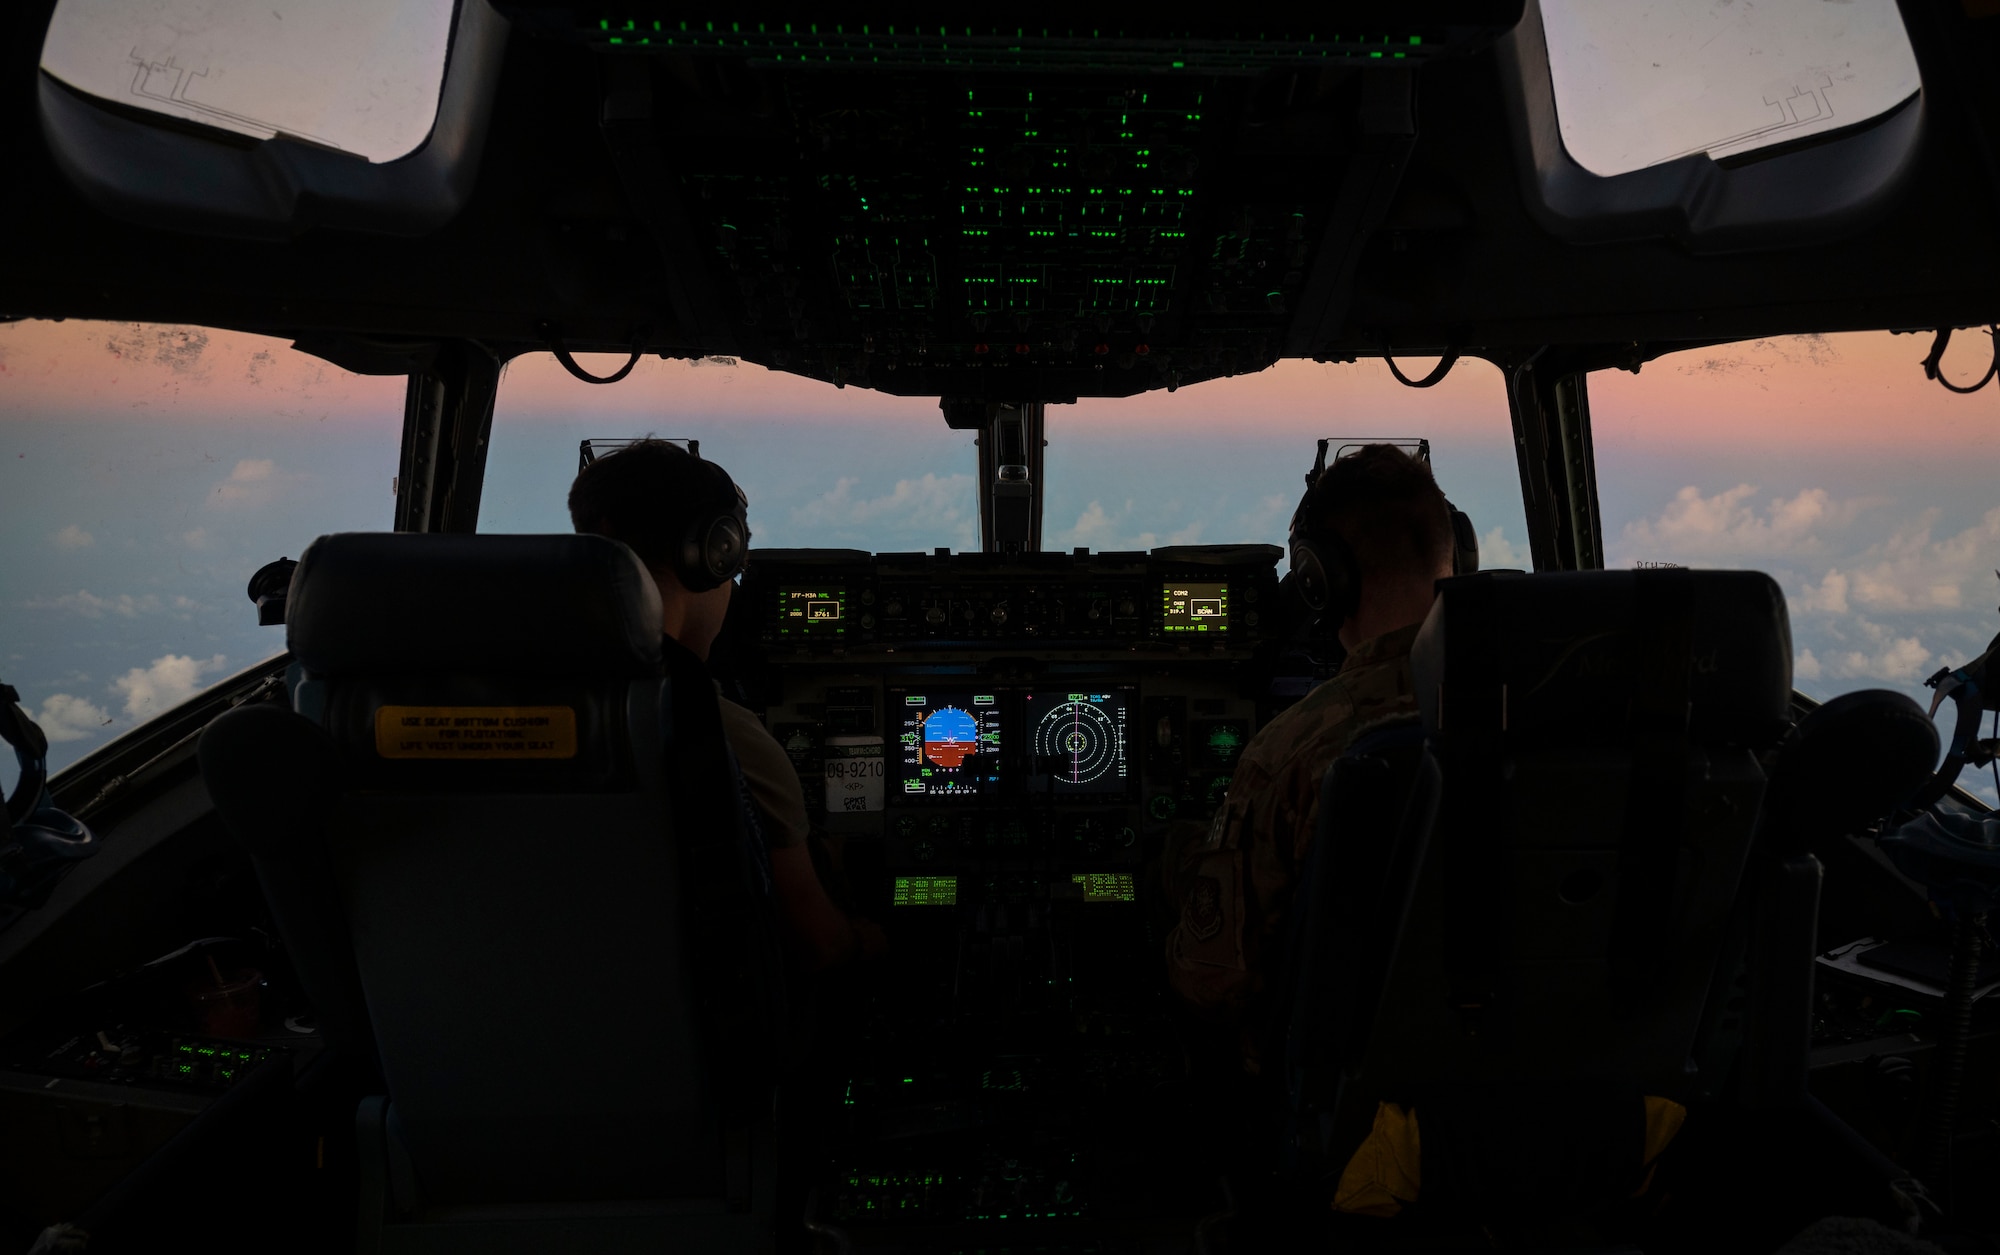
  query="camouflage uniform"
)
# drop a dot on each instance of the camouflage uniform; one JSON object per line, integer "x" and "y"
{"x": 1235, "y": 885}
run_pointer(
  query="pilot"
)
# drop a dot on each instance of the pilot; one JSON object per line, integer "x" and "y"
{"x": 1379, "y": 511}
{"x": 652, "y": 495}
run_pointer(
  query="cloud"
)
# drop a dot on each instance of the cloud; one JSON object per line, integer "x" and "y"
{"x": 1829, "y": 595}
{"x": 936, "y": 508}
{"x": 91, "y": 606}
{"x": 168, "y": 682}
{"x": 1092, "y": 526}
{"x": 1805, "y": 666}
{"x": 1697, "y": 529}
{"x": 66, "y": 718}
{"x": 196, "y": 538}
{"x": 1909, "y": 572}
{"x": 1497, "y": 552}
{"x": 1270, "y": 517}
{"x": 250, "y": 482}
{"x": 1861, "y": 649}
{"x": 73, "y": 537}
{"x": 1102, "y": 530}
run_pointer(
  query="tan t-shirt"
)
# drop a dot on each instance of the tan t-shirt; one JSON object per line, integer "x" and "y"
{"x": 768, "y": 771}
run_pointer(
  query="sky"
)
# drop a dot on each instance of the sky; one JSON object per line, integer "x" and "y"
{"x": 147, "y": 471}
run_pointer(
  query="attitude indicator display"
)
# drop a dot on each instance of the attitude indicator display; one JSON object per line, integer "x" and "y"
{"x": 948, "y": 744}
{"x": 1195, "y": 606}
{"x": 1079, "y": 741}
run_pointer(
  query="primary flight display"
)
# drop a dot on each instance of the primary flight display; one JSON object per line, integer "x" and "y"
{"x": 948, "y": 744}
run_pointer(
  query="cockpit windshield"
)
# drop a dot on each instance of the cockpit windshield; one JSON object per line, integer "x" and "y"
{"x": 1833, "y": 464}
{"x": 150, "y": 469}
{"x": 1216, "y": 463}
{"x": 145, "y": 472}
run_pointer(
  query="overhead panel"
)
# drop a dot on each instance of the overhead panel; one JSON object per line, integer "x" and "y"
{"x": 1012, "y": 212}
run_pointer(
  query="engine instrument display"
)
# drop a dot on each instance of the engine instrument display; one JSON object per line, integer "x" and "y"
{"x": 811, "y": 612}
{"x": 1195, "y": 606}
{"x": 947, "y": 744}
{"x": 1105, "y": 886}
{"x": 1079, "y": 741}
{"x": 924, "y": 891}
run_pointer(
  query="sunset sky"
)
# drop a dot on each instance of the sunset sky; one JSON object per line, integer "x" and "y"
{"x": 149, "y": 470}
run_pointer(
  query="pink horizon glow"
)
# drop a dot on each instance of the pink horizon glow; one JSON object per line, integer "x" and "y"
{"x": 1855, "y": 392}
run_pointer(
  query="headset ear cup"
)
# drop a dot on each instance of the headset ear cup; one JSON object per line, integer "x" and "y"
{"x": 1464, "y": 543}
{"x": 1308, "y": 577}
{"x": 722, "y": 555}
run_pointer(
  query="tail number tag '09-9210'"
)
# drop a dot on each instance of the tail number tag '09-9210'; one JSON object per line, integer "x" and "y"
{"x": 853, "y": 773}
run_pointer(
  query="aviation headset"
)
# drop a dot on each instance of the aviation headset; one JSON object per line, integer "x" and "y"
{"x": 714, "y": 546}
{"x": 36, "y": 839}
{"x": 1325, "y": 575}
{"x": 716, "y": 542}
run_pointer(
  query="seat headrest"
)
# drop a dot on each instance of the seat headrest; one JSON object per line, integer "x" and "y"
{"x": 1848, "y": 763}
{"x": 1565, "y": 653}
{"x": 385, "y": 603}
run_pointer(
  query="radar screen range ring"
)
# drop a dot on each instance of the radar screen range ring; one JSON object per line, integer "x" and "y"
{"x": 1078, "y": 741}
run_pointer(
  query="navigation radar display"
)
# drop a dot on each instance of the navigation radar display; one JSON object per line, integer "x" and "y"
{"x": 948, "y": 744}
{"x": 1194, "y": 606}
{"x": 1079, "y": 741}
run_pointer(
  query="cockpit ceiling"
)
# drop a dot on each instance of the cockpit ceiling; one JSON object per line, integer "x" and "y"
{"x": 961, "y": 210}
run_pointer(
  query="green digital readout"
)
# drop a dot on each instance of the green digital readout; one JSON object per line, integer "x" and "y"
{"x": 928, "y": 891}
{"x": 819, "y": 611}
{"x": 1106, "y": 886}
{"x": 1195, "y": 606}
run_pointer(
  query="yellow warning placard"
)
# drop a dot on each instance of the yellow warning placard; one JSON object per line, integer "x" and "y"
{"x": 475, "y": 732}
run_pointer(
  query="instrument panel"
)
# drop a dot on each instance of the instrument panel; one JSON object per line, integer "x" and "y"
{"x": 1048, "y": 715}
{"x": 994, "y": 750}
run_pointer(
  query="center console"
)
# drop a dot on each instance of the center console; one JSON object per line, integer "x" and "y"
{"x": 996, "y": 750}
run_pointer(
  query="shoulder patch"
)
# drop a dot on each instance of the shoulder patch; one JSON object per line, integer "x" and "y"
{"x": 1202, "y": 916}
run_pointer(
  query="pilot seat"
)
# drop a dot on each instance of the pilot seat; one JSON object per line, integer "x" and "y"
{"x": 1503, "y": 969}
{"x": 503, "y": 838}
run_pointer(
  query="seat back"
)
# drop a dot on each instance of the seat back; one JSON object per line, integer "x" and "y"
{"x": 1596, "y": 734}
{"x": 1378, "y": 803}
{"x": 536, "y": 902}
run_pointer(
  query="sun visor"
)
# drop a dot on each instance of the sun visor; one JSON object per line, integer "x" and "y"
{"x": 264, "y": 120}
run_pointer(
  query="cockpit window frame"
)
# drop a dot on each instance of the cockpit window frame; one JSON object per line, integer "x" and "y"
{"x": 161, "y": 171}
{"x": 1812, "y": 191}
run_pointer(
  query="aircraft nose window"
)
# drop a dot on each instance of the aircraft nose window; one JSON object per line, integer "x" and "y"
{"x": 1638, "y": 84}
{"x": 361, "y": 76}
